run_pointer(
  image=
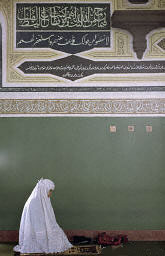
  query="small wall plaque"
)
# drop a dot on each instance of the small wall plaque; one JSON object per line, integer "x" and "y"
{"x": 148, "y": 128}
{"x": 112, "y": 128}
{"x": 131, "y": 128}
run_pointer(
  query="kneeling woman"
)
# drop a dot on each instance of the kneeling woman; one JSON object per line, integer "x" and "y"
{"x": 39, "y": 232}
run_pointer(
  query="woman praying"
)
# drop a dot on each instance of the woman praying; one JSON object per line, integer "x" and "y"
{"x": 39, "y": 232}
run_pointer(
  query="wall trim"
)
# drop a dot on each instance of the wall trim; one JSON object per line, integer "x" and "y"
{"x": 82, "y": 107}
{"x": 7, "y": 236}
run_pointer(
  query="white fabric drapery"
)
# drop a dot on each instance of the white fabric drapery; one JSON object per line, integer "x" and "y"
{"x": 39, "y": 232}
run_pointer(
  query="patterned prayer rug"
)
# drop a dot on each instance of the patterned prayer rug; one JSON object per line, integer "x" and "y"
{"x": 76, "y": 250}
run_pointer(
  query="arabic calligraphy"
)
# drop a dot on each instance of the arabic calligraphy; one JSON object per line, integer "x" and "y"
{"x": 107, "y": 67}
{"x": 64, "y": 41}
{"x": 56, "y": 40}
{"x": 68, "y": 27}
{"x": 74, "y": 67}
{"x": 63, "y": 16}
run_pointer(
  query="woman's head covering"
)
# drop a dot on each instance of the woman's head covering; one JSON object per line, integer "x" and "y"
{"x": 46, "y": 184}
{"x": 42, "y": 188}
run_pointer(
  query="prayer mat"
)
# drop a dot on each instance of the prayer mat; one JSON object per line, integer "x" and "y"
{"x": 75, "y": 250}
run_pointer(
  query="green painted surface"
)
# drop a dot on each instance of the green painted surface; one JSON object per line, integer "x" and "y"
{"x": 103, "y": 180}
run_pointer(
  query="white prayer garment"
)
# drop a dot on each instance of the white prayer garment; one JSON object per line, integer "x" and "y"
{"x": 39, "y": 232}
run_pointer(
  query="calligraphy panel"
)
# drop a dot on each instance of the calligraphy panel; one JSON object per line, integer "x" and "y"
{"x": 65, "y": 27}
{"x": 78, "y": 45}
{"x": 74, "y": 67}
{"x": 62, "y": 16}
{"x": 63, "y": 41}
{"x": 90, "y": 49}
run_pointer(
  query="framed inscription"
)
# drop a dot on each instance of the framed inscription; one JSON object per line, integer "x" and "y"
{"x": 70, "y": 28}
{"x": 110, "y": 49}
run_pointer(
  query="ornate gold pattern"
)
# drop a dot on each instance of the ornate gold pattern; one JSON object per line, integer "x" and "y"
{"x": 154, "y": 50}
{"x": 14, "y": 76}
{"x": 6, "y": 6}
{"x": 161, "y": 44}
{"x": 14, "y": 58}
{"x": 161, "y": 4}
{"x": 121, "y": 47}
{"x": 78, "y": 106}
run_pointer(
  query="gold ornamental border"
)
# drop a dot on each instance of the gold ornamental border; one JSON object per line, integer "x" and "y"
{"x": 82, "y": 106}
{"x": 86, "y": 250}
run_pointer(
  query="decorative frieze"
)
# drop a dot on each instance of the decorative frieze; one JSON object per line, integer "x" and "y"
{"x": 78, "y": 106}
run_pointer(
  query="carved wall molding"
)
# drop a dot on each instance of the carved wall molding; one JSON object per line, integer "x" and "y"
{"x": 161, "y": 3}
{"x": 79, "y": 106}
{"x": 149, "y": 5}
{"x": 121, "y": 43}
{"x": 138, "y": 1}
{"x": 139, "y": 23}
{"x": 156, "y": 46}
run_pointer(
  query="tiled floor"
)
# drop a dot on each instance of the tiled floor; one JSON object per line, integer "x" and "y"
{"x": 130, "y": 249}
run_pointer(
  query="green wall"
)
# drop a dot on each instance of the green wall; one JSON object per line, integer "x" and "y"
{"x": 103, "y": 180}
